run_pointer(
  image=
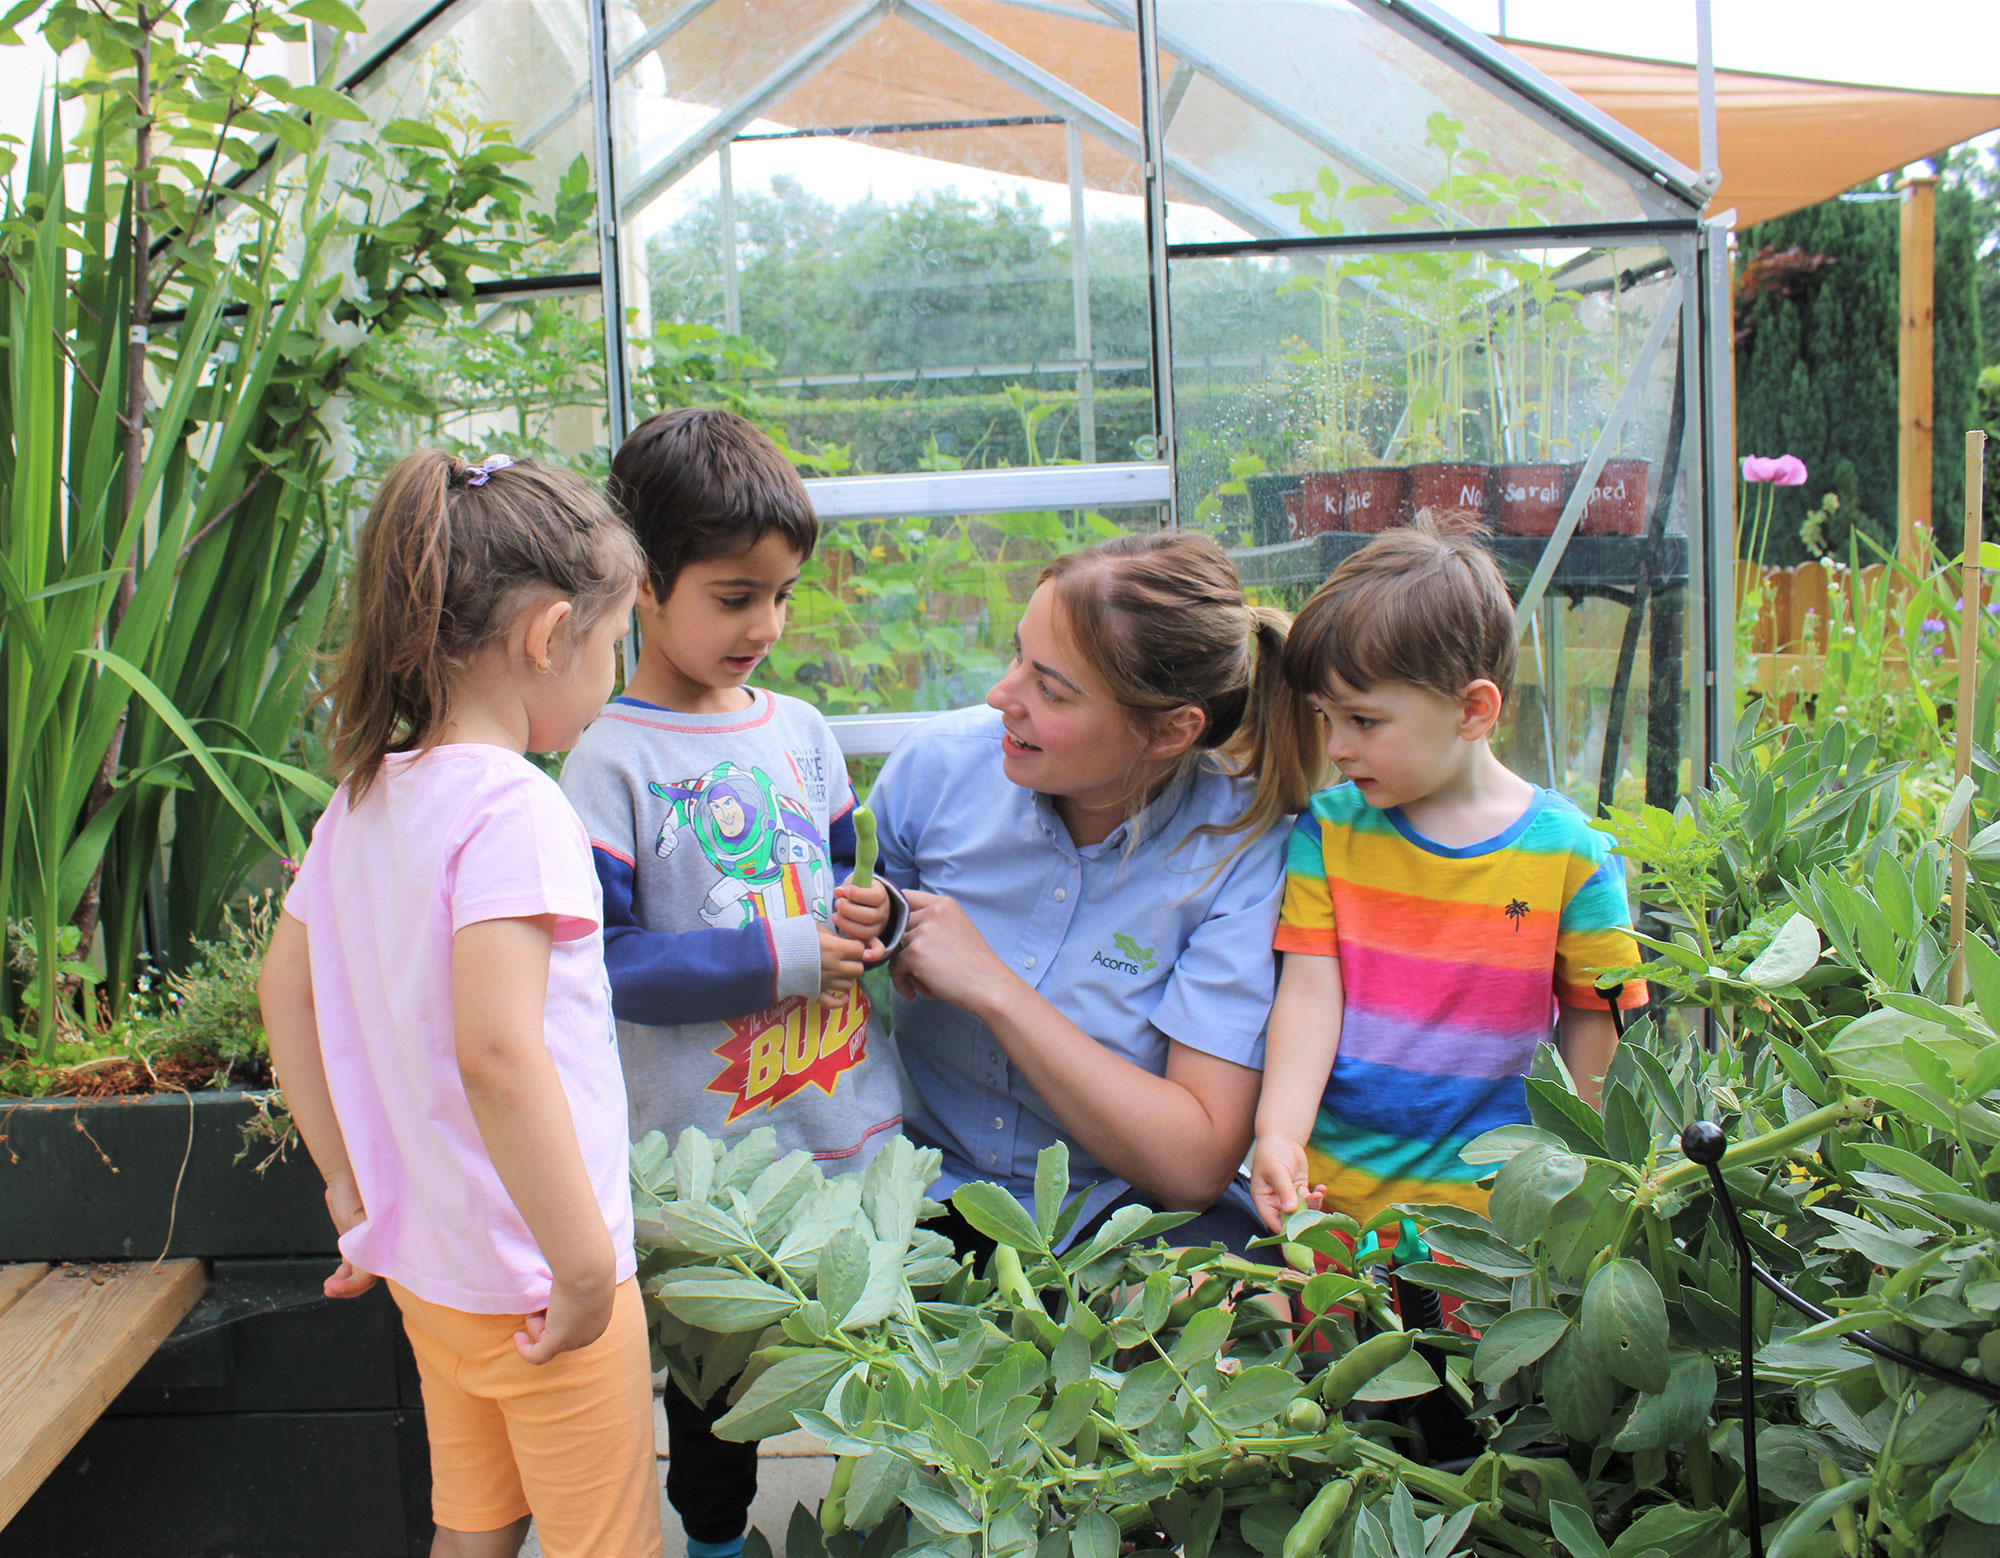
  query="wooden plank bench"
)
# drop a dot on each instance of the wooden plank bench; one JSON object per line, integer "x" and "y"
{"x": 71, "y": 1338}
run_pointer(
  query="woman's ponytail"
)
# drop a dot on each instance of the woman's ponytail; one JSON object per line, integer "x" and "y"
{"x": 1278, "y": 742}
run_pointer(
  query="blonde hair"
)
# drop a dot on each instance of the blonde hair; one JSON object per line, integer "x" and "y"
{"x": 1162, "y": 619}
{"x": 443, "y": 561}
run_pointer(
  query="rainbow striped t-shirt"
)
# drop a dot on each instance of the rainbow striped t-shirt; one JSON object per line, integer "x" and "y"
{"x": 1452, "y": 961}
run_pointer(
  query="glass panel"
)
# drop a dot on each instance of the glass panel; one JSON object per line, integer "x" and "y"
{"x": 1288, "y": 117}
{"x": 895, "y": 615}
{"x": 522, "y": 63}
{"x": 869, "y": 222}
{"x": 522, "y": 378}
{"x": 1323, "y": 398}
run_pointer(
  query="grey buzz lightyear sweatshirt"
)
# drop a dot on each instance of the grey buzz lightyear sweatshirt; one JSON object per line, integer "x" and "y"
{"x": 717, "y": 838}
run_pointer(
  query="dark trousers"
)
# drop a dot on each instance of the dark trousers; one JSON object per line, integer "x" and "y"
{"x": 710, "y": 1482}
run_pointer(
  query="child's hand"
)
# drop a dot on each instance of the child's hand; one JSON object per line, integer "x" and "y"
{"x": 577, "y": 1314}
{"x": 862, "y": 913}
{"x": 841, "y": 962}
{"x": 343, "y": 1205}
{"x": 1278, "y": 1178}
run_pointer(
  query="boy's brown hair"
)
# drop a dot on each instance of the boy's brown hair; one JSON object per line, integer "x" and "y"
{"x": 1421, "y": 604}
{"x": 699, "y": 483}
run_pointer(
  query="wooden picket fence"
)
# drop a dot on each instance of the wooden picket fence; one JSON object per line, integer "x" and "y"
{"x": 1798, "y": 610}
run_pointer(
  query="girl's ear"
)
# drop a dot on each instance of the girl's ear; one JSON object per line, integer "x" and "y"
{"x": 1479, "y": 710}
{"x": 543, "y": 621}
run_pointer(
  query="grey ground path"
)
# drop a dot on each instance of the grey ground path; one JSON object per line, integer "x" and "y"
{"x": 792, "y": 1470}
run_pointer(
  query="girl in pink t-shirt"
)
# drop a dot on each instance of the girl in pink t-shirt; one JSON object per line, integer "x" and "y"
{"x": 438, "y": 1010}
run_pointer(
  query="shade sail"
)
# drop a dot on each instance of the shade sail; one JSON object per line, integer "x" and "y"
{"x": 1784, "y": 142}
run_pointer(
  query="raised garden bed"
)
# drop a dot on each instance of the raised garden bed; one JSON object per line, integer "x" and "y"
{"x": 273, "y": 1421}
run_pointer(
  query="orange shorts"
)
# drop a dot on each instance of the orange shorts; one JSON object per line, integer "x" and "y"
{"x": 570, "y": 1440}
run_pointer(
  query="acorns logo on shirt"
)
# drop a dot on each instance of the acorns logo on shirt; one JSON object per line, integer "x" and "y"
{"x": 1131, "y": 959}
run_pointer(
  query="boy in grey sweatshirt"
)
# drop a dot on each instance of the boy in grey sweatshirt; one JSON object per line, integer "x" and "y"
{"x": 721, "y": 820}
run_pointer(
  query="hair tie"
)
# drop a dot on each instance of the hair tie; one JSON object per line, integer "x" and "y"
{"x": 475, "y": 475}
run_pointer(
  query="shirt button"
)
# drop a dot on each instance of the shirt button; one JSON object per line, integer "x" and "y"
{"x": 1028, "y": 961}
{"x": 998, "y": 1123}
{"x": 1062, "y": 893}
{"x": 993, "y": 1158}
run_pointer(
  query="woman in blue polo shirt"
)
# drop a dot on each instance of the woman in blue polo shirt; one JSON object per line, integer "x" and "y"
{"x": 1094, "y": 863}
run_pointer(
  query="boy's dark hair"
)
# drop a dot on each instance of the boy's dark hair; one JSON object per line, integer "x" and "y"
{"x": 699, "y": 483}
{"x": 1421, "y": 604}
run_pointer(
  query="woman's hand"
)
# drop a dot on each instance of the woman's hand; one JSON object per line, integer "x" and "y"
{"x": 944, "y": 956}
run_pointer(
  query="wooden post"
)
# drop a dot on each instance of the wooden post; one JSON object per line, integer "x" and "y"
{"x": 1914, "y": 371}
{"x": 1970, "y": 617}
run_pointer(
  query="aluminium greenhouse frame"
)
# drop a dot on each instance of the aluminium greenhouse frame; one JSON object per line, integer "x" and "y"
{"x": 1669, "y": 196}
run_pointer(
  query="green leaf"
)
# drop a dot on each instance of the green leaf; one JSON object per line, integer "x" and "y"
{"x": 1409, "y": 1376}
{"x": 1870, "y": 1049}
{"x": 1982, "y": 970}
{"x": 1202, "y": 1337}
{"x": 769, "y": 1407}
{"x": 1793, "y": 951}
{"x": 175, "y": 721}
{"x": 1572, "y": 1527}
{"x": 723, "y": 1301}
{"x": 1529, "y": 1185}
{"x": 1256, "y": 1395}
{"x": 1095, "y": 1535}
{"x": 1810, "y": 1516}
{"x": 1074, "y": 1403}
{"x": 685, "y": 1225}
{"x": 1516, "y": 1340}
{"x": 1977, "y": 1495}
{"x": 1625, "y": 1325}
{"x": 1677, "y": 1413}
{"x": 1146, "y": 1390}
{"x": 330, "y": 13}
{"x": 998, "y": 1215}
{"x": 1577, "y": 1392}
{"x": 324, "y": 101}
{"x": 415, "y": 132}
{"x": 1051, "y": 1186}
{"x": 940, "y": 1511}
{"x": 1945, "y": 1421}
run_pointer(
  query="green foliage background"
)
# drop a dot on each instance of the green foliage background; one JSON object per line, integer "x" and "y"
{"x": 1816, "y": 374}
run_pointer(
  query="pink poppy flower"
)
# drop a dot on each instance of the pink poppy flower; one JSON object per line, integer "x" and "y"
{"x": 1786, "y": 470}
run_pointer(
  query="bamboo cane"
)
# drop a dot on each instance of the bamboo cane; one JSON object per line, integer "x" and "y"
{"x": 1970, "y": 615}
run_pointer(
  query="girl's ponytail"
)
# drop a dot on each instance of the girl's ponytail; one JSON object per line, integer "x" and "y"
{"x": 448, "y": 554}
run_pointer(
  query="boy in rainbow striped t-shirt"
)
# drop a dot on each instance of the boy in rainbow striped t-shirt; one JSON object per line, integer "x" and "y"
{"x": 1442, "y": 916}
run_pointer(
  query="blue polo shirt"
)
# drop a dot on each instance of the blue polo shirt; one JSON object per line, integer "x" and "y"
{"x": 1135, "y": 946}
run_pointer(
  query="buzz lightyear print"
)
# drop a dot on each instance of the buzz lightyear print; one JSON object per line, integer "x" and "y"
{"x": 770, "y": 858}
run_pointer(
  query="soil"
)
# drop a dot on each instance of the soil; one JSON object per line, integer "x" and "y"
{"x": 127, "y": 1078}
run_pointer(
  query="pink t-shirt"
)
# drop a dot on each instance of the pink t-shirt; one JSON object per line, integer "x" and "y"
{"x": 458, "y": 835}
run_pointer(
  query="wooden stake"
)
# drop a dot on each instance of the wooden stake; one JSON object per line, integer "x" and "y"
{"x": 1970, "y": 614}
{"x": 1914, "y": 415}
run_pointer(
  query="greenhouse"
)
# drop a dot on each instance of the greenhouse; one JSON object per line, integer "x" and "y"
{"x": 991, "y": 779}
{"x": 1398, "y": 253}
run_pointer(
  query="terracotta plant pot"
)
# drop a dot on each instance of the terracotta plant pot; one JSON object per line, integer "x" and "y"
{"x": 1451, "y": 490}
{"x": 1378, "y": 497}
{"x": 1293, "y": 502}
{"x": 1323, "y": 503}
{"x": 1617, "y": 504}
{"x": 1529, "y": 497}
